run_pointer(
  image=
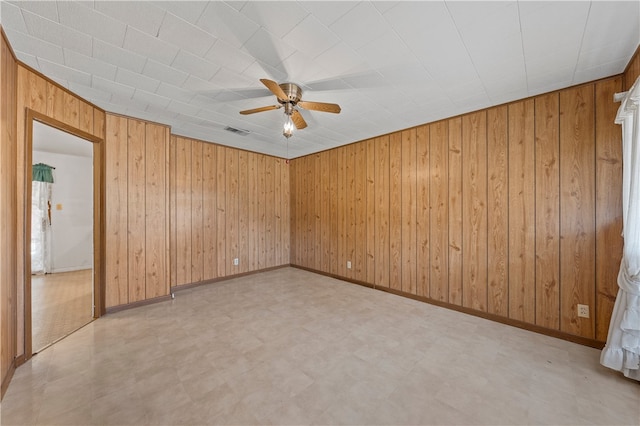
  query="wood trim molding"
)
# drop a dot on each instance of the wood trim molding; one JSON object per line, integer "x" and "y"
{"x": 45, "y": 119}
{"x": 98, "y": 216}
{"x": 492, "y": 317}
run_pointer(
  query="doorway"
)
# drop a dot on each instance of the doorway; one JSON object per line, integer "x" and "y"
{"x": 63, "y": 268}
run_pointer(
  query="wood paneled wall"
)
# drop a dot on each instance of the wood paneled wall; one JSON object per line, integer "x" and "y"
{"x": 8, "y": 212}
{"x": 137, "y": 218}
{"x": 225, "y": 204}
{"x": 512, "y": 211}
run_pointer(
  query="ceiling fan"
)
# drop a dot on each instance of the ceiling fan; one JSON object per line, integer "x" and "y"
{"x": 289, "y": 96}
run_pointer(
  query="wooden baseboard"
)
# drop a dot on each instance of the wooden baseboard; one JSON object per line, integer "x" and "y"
{"x": 7, "y": 379}
{"x": 178, "y": 288}
{"x": 119, "y": 308}
{"x": 225, "y": 278}
{"x": 492, "y": 317}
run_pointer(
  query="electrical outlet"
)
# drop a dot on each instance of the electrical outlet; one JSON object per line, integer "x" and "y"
{"x": 583, "y": 311}
{"x": 236, "y": 261}
{"x": 348, "y": 264}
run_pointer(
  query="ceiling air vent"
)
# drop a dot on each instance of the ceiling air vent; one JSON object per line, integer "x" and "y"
{"x": 240, "y": 132}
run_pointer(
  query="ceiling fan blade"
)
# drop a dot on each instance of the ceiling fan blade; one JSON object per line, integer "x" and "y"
{"x": 275, "y": 88}
{"x": 320, "y": 106}
{"x": 297, "y": 119}
{"x": 266, "y": 108}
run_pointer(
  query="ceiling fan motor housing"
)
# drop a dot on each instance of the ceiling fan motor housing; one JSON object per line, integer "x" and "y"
{"x": 293, "y": 92}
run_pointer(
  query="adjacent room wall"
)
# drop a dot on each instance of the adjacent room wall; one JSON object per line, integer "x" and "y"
{"x": 72, "y": 224}
{"x": 226, "y": 204}
{"x": 510, "y": 211}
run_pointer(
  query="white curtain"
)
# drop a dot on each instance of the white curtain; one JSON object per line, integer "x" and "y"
{"x": 41, "y": 227}
{"x": 622, "y": 351}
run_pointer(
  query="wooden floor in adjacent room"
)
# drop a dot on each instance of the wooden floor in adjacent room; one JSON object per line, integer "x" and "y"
{"x": 290, "y": 347}
{"x": 61, "y": 303}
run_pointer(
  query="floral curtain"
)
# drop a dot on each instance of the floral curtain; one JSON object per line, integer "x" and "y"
{"x": 622, "y": 351}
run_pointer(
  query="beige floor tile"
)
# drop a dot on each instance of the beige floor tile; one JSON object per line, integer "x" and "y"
{"x": 291, "y": 347}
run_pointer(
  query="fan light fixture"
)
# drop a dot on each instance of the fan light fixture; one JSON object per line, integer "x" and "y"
{"x": 287, "y": 130}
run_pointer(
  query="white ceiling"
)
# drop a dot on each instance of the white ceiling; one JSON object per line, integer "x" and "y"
{"x": 390, "y": 65}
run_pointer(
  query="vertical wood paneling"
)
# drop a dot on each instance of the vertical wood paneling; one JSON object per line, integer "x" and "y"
{"x": 577, "y": 204}
{"x": 209, "y": 212}
{"x": 55, "y": 102}
{"x": 370, "y": 196}
{"x": 474, "y": 214}
{"x": 497, "y": 212}
{"x": 395, "y": 211}
{"x": 439, "y": 214}
{"x": 196, "y": 231}
{"x": 455, "y": 211}
{"x": 173, "y": 234}
{"x": 521, "y": 212}
{"x": 32, "y": 92}
{"x": 277, "y": 211}
{"x": 85, "y": 121}
{"x": 243, "y": 213}
{"x": 136, "y": 136}
{"x": 325, "y": 211}
{"x": 334, "y": 231}
{"x": 315, "y": 252}
{"x": 360, "y": 216}
{"x": 269, "y": 211}
{"x": 547, "y": 211}
{"x": 381, "y": 168}
{"x": 408, "y": 211}
{"x": 254, "y": 189}
{"x": 98, "y": 123}
{"x": 295, "y": 212}
{"x": 156, "y": 280}
{"x": 235, "y": 205}
{"x": 71, "y": 110}
{"x": 184, "y": 244}
{"x": 9, "y": 321}
{"x": 286, "y": 212}
{"x": 350, "y": 208}
{"x": 608, "y": 203}
{"x": 116, "y": 218}
{"x": 232, "y": 209}
{"x": 262, "y": 200}
{"x": 221, "y": 205}
{"x": 342, "y": 213}
{"x": 422, "y": 211}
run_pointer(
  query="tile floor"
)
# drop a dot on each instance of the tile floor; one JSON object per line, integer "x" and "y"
{"x": 292, "y": 347}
